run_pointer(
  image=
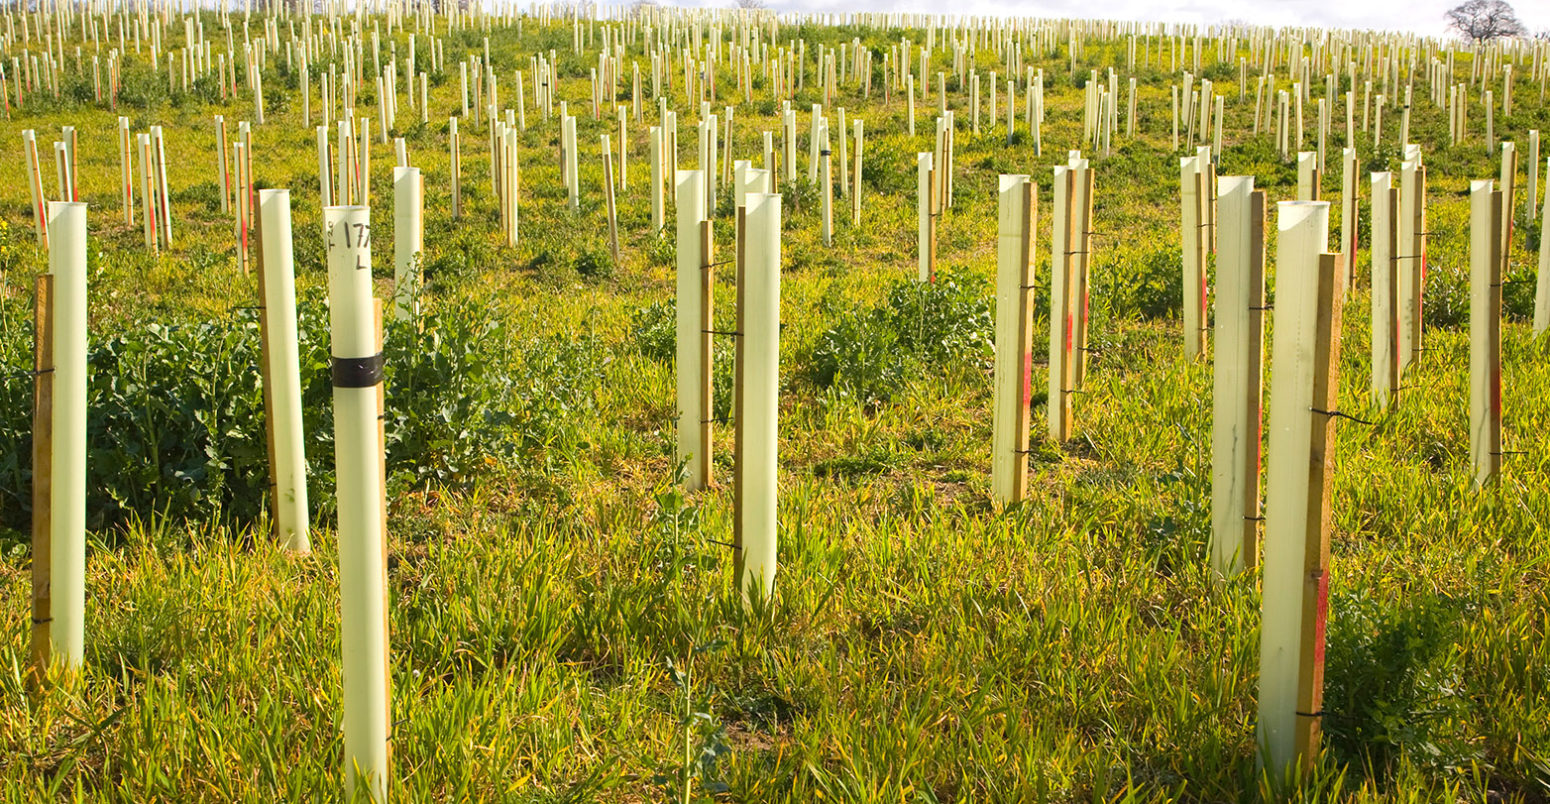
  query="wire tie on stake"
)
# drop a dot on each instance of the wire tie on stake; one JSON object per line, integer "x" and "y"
{"x": 1340, "y": 415}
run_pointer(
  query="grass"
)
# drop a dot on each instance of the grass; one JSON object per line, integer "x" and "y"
{"x": 563, "y": 623}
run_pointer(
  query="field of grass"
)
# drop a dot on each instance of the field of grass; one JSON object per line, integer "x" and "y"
{"x": 563, "y": 622}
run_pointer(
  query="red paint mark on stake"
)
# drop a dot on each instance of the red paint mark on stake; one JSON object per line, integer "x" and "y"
{"x": 1320, "y": 617}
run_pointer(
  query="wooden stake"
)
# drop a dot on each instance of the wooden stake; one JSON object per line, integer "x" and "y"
{"x": 706, "y": 454}
{"x": 42, "y": 475}
{"x": 223, "y": 174}
{"x": 382, "y": 540}
{"x": 739, "y": 433}
{"x": 243, "y": 213}
{"x": 148, "y": 192}
{"x": 164, "y": 203}
{"x": 1081, "y": 261}
{"x": 35, "y": 184}
{"x": 1349, "y": 236}
{"x": 266, "y": 374}
{"x": 855, "y": 193}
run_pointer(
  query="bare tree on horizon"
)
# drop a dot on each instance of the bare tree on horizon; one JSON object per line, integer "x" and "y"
{"x": 1484, "y": 20}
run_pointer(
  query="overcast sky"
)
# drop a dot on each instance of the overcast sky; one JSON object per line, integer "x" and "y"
{"x": 1422, "y": 16}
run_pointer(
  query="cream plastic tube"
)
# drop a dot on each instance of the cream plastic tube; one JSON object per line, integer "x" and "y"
{"x": 358, "y": 468}
{"x": 290, "y": 470}
{"x": 67, "y": 263}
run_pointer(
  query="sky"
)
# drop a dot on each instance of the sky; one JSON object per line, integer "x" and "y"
{"x": 1420, "y": 16}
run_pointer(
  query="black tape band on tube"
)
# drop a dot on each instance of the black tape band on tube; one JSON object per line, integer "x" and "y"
{"x": 357, "y": 372}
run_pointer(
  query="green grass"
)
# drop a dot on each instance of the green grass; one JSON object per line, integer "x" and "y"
{"x": 563, "y": 622}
